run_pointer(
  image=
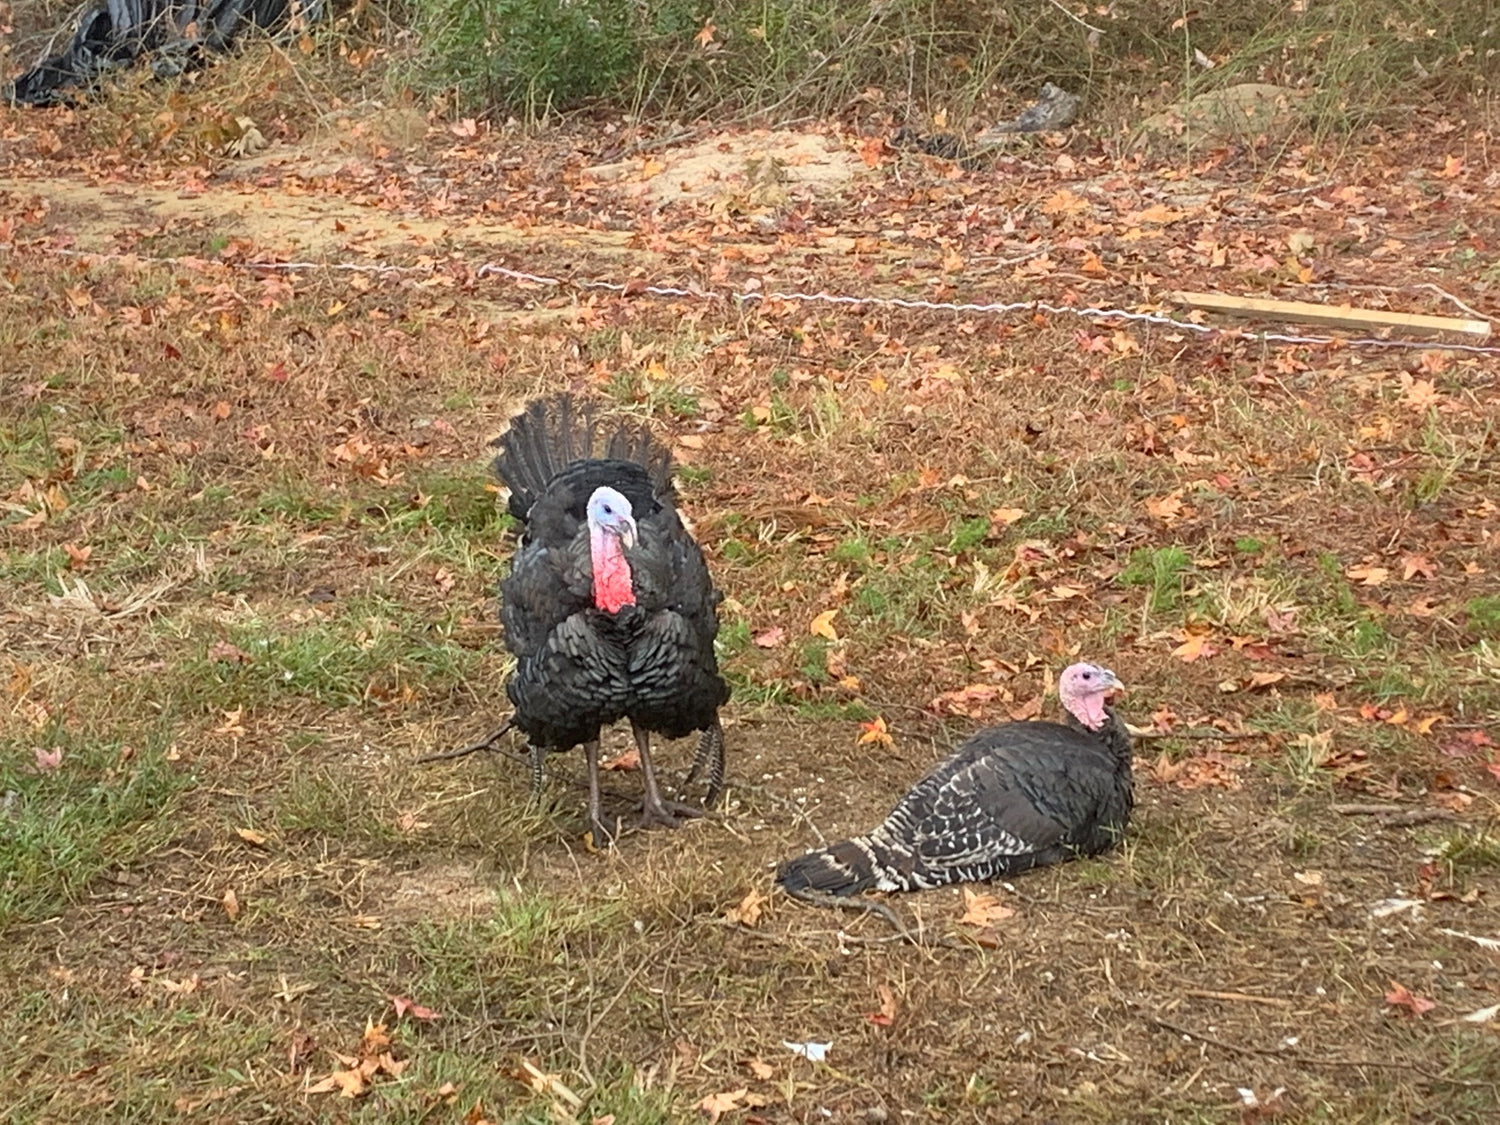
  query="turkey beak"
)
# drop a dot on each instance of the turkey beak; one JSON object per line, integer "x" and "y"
{"x": 626, "y": 533}
{"x": 1111, "y": 681}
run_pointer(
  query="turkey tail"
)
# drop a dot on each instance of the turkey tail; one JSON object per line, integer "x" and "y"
{"x": 550, "y": 434}
{"x": 635, "y": 444}
{"x": 554, "y": 432}
{"x": 843, "y": 869}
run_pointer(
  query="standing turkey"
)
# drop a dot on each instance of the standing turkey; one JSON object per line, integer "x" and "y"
{"x": 608, "y": 607}
{"x": 1011, "y": 798}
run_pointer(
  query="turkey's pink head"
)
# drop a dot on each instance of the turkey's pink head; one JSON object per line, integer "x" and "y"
{"x": 611, "y": 531}
{"x": 1083, "y": 688}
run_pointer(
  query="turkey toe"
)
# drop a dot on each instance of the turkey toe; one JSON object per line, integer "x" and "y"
{"x": 667, "y": 814}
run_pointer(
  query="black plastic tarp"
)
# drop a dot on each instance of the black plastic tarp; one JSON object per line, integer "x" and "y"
{"x": 175, "y": 34}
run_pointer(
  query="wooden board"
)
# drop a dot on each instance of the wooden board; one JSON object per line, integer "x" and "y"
{"x": 1303, "y": 312}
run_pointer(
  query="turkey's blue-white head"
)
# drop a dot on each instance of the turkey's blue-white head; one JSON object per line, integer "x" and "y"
{"x": 1083, "y": 689}
{"x": 612, "y": 531}
{"x": 609, "y": 512}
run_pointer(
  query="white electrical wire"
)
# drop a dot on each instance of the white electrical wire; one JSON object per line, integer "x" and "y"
{"x": 1000, "y": 308}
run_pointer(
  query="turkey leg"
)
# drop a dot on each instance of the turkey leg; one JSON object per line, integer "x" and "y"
{"x": 655, "y": 810}
{"x": 596, "y": 812}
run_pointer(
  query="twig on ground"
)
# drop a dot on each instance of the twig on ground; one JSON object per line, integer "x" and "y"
{"x": 869, "y": 906}
{"x": 798, "y": 812}
{"x": 1316, "y": 1060}
{"x": 1449, "y": 296}
{"x": 594, "y": 1021}
{"x": 1202, "y": 732}
{"x": 1241, "y": 997}
{"x": 648, "y": 143}
{"x": 1394, "y": 816}
{"x": 1087, "y": 26}
{"x": 485, "y": 743}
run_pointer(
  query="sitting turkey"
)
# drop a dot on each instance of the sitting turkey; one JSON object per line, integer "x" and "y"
{"x": 1011, "y": 798}
{"x": 608, "y": 608}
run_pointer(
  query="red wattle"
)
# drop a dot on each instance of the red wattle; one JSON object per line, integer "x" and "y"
{"x": 612, "y": 588}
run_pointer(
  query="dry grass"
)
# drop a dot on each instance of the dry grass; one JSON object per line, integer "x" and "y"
{"x": 261, "y": 586}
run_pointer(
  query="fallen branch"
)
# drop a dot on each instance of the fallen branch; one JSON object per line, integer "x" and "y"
{"x": 1305, "y": 312}
{"x": 1316, "y": 1060}
{"x": 1394, "y": 816}
{"x": 485, "y": 743}
{"x": 1241, "y": 997}
{"x": 1202, "y": 732}
{"x": 849, "y": 902}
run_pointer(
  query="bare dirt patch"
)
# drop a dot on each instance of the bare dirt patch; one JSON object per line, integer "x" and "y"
{"x": 763, "y": 170}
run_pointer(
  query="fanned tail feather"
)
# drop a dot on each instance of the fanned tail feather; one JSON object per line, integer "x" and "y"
{"x": 541, "y": 441}
{"x": 842, "y": 869}
{"x": 635, "y": 443}
{"x": 553, "y": 433}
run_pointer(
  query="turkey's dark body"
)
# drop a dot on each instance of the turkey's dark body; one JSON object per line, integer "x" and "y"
{"x": 1009, "y": 799}
{"x": 579, "y": 667}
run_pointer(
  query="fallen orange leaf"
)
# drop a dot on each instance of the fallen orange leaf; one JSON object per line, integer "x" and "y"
{"x": 983, "y": 909}
{"x": 1368, "y": 575}
{"x": 875, "y": 731}
{"x": 1194, "y": 648}
{"x": 630, "y": 760}
{"x": 749, "y": 910}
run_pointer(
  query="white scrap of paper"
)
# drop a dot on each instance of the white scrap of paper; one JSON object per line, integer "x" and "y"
{"x": 813, "y": 1052}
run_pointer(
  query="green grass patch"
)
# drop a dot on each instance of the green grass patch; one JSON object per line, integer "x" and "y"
{"x": 514, "y": 956}
{"x": 99, "y": 807}
{"x": 1483, "y": 616}
{"x": 372, "y": 649}
{"x": 532, "y": 57}
{"x": 1470, "y": 850}
{"x": 1161, "y": 571}
{"x": 969, "y": 534}
{"x": 529, "y": 56}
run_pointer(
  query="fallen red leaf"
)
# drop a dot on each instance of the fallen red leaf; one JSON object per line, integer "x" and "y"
{"x": 630, "y": 760}
{"x": 773, "y": 637}
{"x": 887, "y": 1014}
{"x": 417, "y": 1011}
{"x": 1402, "y": 997}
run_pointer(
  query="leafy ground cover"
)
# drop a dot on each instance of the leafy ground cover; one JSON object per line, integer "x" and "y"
{"x": 250, "y": 550}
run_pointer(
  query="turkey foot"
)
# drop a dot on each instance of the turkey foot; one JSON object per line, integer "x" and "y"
{"x": 667, "y": 813}
{"x": 655, "y": 809}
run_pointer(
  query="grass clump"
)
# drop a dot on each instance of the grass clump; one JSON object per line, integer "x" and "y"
{"x": 532, "y": 57}
{"x": 1159, "y": 569}
{"x": 375, "y": 650}
{"x": 527, "y": 56}
{"x": 1470, "y": 850}
{"x": 1483, "y": 615}
{"x": 969, "y": 534}
{"x": 71, "y": 809}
